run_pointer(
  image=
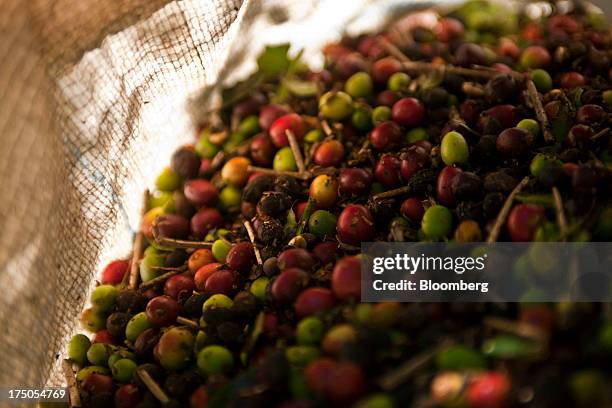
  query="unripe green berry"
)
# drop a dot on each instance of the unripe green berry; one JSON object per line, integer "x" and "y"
{"x": 454, "y": 149}
{"x": 359, "y": 85}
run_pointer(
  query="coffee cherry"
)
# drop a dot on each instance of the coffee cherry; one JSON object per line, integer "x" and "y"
{"x": 309, "y": 331}
{"x": 137, "y": 325}
{"x": 204, "y": 220}
{"x": 355, "y": 225}
{"x": 171, "y": 226}
{"x": 174, "y": 349}
{"x": 386, "y": 136}
{"x": 571, "y": 80}
{"x": 215, "y": 360}
{"x": 116, "y": 323}
{"x": 398, "y": 82}
{"x": 535, "y": 56}
{"x": 387, "y": 170}
{"x": 446, "y": 387}
{"x": 350, "y": 63}
{"x": 448, "y": 29}
{"x": 346, "y": 278}
{"x": 288, "y": 285}
{"x": 98, "y": 354}
{"x": 218, "y": 301}
{"x": 384, "y": 68}
{"x": 269, "y": 113}
{"x": 103, "y": 298}
{"x": 295, "y": 258}
{"x": 77, "y": 349}
{"x": 541, "y": 80}
{"x": 162, "y": 311}
{"x": 354, "y": 181}
{"x": 488, "y": 390}
{"x": 523, "y": 221}
{"x": 262, "y": 150}
{"x": 235, "y": 171}
{"x": 408, "y": 112}
{"x": 123, "y": 370}
{"x": 359, "y": 85}
{"x": 454, "y": 149}
{"x": 468, "y": 231}
{"x": 241, "y": 257}
{"x": 127, "y": 396}
{"x": 590, "y": 114}
{"x": 514, "y": 142}
{"x": 344, "y": 381}
{"x": 220, "y": 249}
{"x": 324, "y": 191}
{"x": 313, "y": 301}
{"x": 185, "y": 163}
{"x": 444, "y": 185}
{"x": 96, "y": 384}
{"x": 361, "y": 119}
{"x": 437, "y": 222}
{"x": 290, "y": 121}
{"x": 223, "y": 282}
{"x": 259, "y": 287}
{"x": 329, "y": 154}
{"x": 201, "y": 193}
{"x": 284, "y": 160}
{"x": 380, "y": 114}
{"x": 413, "y": 208}
{"x": 179, "y": 287}
{"x": 469, "y": 54}
{"x": 335, "y": 105}
{"x": 114, "y": 272}
{"x": 322, "y": 223}
{"x": 466, "y": 186}
{"x": 532, "y": 126}
{"x": 414, "y": 159}
{"x": 387, "y": 98}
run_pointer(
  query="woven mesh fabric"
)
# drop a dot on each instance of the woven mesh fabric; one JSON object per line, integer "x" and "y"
{"x": 95, "y": 96}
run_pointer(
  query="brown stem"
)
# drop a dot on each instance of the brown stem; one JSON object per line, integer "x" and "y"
{"x": 473, "y": 89}
{"x": 454, "y": 114}
{"x": 138, "y": 245}
{"x": 251, "y": 232}
{"x": 392, "y": 193}
{"x": 520, "y": 329}
{"x": 560, "y": 213}
{"x": 534, "y": 97}
{"x": 159, "y": 279}
{"x": 302, "y": 176}
{"x": 73, "y": 391}
{"x": 326, "y": 128}
{"x": 218, "y": 138}
{"x": 503, "y": 213}
{"x": 600, "y": 134}
{"x": 348, "y": 247}
{"x": 188, "y": 322}
{"x": 295, "y": 149}
{"x": 155, "y": 389}
{"x": 180, "y": 243}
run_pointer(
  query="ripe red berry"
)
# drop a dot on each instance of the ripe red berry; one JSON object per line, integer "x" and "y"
{"x": 205, "y": 220}
{"x": 387, "y": 98}
{"x": 199, "y": 398}
{"x": 223, "y": 282}
{"x": 162, "y": 311}
{"x": 384, "y": 68}
{"x": 179, "y": 286}
{"x": 341, "y": 381}
{"x": 202, "y": 275}
{"x": 354, "y": 181}
{"x": 291, "y": 121}
{"x": 514, "y": 142}
{"x": 572, "y": 80}
{"x": 444, "y": 189}
{"x": 413, "y": 208}
{"x": 387, "y": 170}
{"x": 415, "y": 159}
{"x": 488, "y": 390}
{"x": 171, "y": 226}
{"x": 355, "y": 225}
{"x": 386, "y": 136}
{"x": 349, "y": 64}
{"x": 329, "y": 154}
{"x": 95, "y": 384}
{"x": 590, "y": 114}
{"x": 535, "y": 56}
{"x": 469, "y": 54}
{"x": 448, "y": 28}
{"x": 314, "y": 300}
{"x": 346, "y": 278}
{"x": 200, "y": 192}
{"x": 127, "y": 396}
{"x": 326, "y": 252}
{"x": 241, "y": 257}
{"x": 269, "y": 113}
{"x": 288, "y": 285}
{"x": 408, "y": 112}
{"x": 114, "y": 272}
{"x": 506, "y": 115}
{"x": 523, "y": 221}
{"x": 295, "y": 258}
{"x": 105, "y": 337}
{"x": 262, "y": 150}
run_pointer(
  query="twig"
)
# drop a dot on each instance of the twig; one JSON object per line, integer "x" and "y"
{"x": 155, "y": 389}
{"x": 348, "y": 247}
{"x": 264, "y": 170}
{"x": 180, "y": 243}
{"x": 249, "y": 228}
{"x": 392, "y": 193}
{"x": 305, "y": 216}
{"x": 534, "y": 97}
{"x": 521, "y": 329}
{"x": 472, "y": 89}
{"x": 454, "y": 114}
{"x": 326, "y": 128}
{"x": 159, "y": 279}
{"x": 295, "y": 149}
{"x": 188, "y": 322}
{"x": 75, "y": 398}
{"x": 503, "y": 213}
{"x": 560, "y": 213}
{"x": 600, "y": 134}
{"x": 402, "y": 373}
{"x": 218, "y": 138}
{"x": 138, "y": 245}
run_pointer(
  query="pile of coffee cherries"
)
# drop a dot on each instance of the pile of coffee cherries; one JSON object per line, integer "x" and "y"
{"x": 247, "y": 292}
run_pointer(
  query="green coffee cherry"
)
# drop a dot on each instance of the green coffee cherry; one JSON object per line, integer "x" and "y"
{"x": 336, "y": 105}
{"x": 301, "y": 355}
{"x": 83, "y": 373}
{"x": 220, "y": 249}
{"x": 148, "y": 264}
{"x": 205, "y": 148}
{"x": 380, "y": 114}
{"x": 310, "y": 331}
{"x": 437, "y": 222}
{"x": 259, "y": 286}
{"x": 218, "y": 300}
{"x": 362, "y": 118}
{"x": 322, "y": 223}
{"x": 215, "y": 360}
{"x": 77, "y": 349}
{"x": 314, "y": 136}
{"x": 137, "y": 325}
{"x": 607, "y": 97}
{"x": 547, "y": 232}
{"x": 98, "y": 354}
{"x": 416, "y": 134}
{"x": 398, "y": 82}
{"x": 249, "y": 126}
{"x": 603, "y": 228}
{"x": 284, "y": 160}
{"x": 454, "y": 149}
{"x": 530, "y": 125}
{"x": 103, "y": 297}
{"x": 541, "y": 80}
{"x": 460, "y": 358}
{"x": 378, "y": 400}
{"x": 230, "y": 197}
{"x": 167, "y": 180}
{"x": 359, "y": 85}
{"x": 541, "y": 164}
{"x": 93, "y": 320}
{"x": 123, "y": 370}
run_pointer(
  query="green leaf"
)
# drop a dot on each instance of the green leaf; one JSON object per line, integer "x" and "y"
{"x": 274, "y": 59}
{"x": 301, "y": 88}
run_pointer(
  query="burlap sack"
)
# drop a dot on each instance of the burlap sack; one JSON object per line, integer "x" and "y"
{"x": 95, "y": 96}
